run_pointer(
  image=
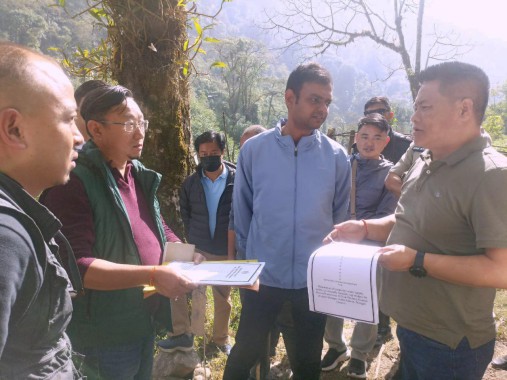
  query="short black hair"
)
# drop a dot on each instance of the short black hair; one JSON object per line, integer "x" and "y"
{"x": 376, "y": 120}
{"x": 460, "y": 80}
{"x": 210, "y": 136}
{"x": 378, "y": 100}
{"x": 308, "y": 72}
{"x": 84, "y": 88}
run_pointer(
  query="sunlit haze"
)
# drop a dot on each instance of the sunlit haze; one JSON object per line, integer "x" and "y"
{"x": 486, "y": 17}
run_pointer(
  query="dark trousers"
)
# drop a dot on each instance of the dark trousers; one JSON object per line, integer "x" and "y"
{"x": 258, "y": 314}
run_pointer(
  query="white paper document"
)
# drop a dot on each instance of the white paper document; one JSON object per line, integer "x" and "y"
{"x": 178, "y": 252}
{"x": 233, "y": 273}
{"x": 342, "y": 281}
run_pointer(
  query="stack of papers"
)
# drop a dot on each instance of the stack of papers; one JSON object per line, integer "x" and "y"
{"x": 232, "y": 273}
{"x": 342, "y": 281}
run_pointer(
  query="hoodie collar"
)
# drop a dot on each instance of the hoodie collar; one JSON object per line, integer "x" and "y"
{"x": 305, "y": 143}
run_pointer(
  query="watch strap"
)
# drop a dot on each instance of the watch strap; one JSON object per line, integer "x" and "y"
{"x": 419, "y": 259}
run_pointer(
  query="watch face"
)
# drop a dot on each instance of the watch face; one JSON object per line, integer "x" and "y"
{"x": 417, "y": 271}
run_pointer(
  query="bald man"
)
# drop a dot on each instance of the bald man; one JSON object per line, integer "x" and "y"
{"x": 38, "y": 137}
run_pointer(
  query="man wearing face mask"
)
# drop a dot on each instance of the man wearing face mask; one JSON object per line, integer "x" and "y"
{"x": 205, "y": 203}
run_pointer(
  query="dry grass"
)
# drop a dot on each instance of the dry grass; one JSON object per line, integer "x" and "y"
{"x": 501, "y": 315}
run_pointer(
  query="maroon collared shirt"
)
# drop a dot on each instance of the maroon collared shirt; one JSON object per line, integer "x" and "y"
{"x": 70, "y": 204}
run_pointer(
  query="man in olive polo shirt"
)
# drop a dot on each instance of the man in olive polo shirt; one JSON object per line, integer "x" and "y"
{"x": 447, "y": 242}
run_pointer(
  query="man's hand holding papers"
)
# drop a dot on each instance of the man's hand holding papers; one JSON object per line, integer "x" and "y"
{"x": 342, "y": 281}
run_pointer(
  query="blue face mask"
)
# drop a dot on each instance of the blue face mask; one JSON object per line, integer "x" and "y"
{"x": 211, "y": 163}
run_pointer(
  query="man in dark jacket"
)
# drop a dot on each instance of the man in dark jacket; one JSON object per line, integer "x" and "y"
{"x": 205, "y": 203}
{"x": 398, "y": 143}
{"x": 38, "y": 138}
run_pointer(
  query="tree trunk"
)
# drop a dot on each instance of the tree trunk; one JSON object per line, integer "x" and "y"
{"x": 156, "y": 79}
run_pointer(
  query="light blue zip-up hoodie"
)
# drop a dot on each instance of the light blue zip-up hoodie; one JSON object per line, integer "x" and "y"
{"x": 287, "y": 199}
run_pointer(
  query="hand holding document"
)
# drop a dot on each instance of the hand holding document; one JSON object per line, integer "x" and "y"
{"x": 342, "y": 281}
{"x": 231, "y": 273}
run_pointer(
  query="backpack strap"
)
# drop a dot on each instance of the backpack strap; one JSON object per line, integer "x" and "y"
{"x": 353, "y": 190}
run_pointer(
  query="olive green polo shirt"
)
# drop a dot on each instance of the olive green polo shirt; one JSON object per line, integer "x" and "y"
{"x": 453, "y": 206}
{"x": 406, "y": 161}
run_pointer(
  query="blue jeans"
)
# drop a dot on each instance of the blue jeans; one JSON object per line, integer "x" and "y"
{"x": 132, "y": 361}
{"x": 425, "y": 359}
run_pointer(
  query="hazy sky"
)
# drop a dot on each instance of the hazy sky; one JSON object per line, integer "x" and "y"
{"x": 479, "y": 24}
{"x": 487, "y": 17}
{"x": 484, "y": 22}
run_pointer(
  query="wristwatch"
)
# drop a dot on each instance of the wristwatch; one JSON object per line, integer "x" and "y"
{"x": 417, "y": 270}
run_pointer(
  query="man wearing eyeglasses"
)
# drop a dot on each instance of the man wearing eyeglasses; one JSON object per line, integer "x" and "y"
{"x": 111, "y": 216}
{"x": 290, "y": 183}
{"x": 398, "y": 142}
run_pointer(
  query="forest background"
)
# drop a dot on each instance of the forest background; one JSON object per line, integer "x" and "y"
{"x": 247, "y": 87}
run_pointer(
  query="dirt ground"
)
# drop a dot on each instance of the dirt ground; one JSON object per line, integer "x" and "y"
{"x": 382, "y": 362}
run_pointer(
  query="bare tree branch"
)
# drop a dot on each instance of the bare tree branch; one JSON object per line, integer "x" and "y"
{"x": 315, "y": 25}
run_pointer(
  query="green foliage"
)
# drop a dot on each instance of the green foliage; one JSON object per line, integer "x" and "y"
{"x": 244, "y": 87}
{"x": 100, "y": 15}
{"x": 23, "y": 26}
{"x": 402, "y": 115}
{"x": 495, "y": 121}
{"x": 494, "y": 125}
{"x": 95, "y": 60}
{"x": 46, "y": 26}
{"x": 202, "y": 117}
{"x": 219, "y": 65}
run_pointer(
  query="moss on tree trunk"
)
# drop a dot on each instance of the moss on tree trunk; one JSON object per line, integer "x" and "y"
{"x": 156, "y": 79}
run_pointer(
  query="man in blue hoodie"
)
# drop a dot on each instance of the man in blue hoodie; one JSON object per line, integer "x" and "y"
{"x": 292, "y": 183}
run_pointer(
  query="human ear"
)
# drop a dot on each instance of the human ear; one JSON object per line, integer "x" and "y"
{"x": 289, "y": 97}
{"x": 386, "y": 141}
{"x": 95, "y": 129}
{"x": 11, "y": 129}
{"x": 467, "y": 108}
